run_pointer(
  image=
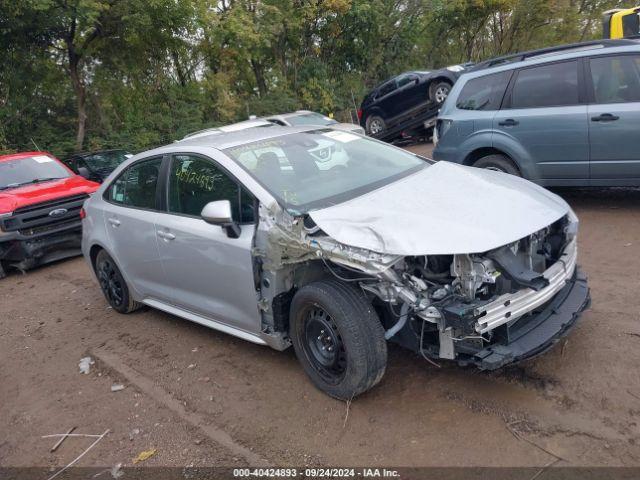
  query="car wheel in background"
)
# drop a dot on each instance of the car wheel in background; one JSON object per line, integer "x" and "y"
{"x": 438, "y": 92}
{"x": 113, "y": 285}
{"x": 498, "y": 163}
{"x": 338, "y": 338}
{"x": 375, "y": 125}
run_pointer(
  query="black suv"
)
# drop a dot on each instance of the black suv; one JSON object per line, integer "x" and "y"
{"x": 391, "y": 100}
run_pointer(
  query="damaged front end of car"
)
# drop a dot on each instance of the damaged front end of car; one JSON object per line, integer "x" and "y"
{"x": 487, "y": 309}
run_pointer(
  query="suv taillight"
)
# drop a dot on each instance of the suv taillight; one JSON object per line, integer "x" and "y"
{"x": 83, "y": 213}
{"x": 359, "y": 114}
{"x": 441, "y": 128}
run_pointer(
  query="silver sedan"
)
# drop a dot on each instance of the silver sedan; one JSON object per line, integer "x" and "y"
{"x": 336, "y": 244}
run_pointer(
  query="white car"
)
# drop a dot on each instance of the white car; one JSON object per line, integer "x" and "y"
{"x": 452, "y": 262}
{"x": 303, "y": 118}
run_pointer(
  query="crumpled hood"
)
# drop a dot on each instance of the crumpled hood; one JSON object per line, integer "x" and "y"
{"x": 443, "y": 209}
{"x": 14, "y": 198}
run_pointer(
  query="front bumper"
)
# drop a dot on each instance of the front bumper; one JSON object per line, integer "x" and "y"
{"x": 25, "y": 252}
{"x": 534, "y": 334}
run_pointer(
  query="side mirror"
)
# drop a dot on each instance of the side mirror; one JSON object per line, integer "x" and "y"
{"x": 219, "y": 213}
{"x": 84, "y": 172}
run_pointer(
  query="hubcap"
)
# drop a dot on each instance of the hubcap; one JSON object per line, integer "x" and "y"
{"x": 375, "y": 126}
{"x": 441, "y": 94}
{"x": 495, "y": 169}
{"x": 110, "y": 283}
{"x": 323, "y": 345}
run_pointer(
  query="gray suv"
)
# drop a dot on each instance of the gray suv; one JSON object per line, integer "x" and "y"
{"x": 565, "y": 116}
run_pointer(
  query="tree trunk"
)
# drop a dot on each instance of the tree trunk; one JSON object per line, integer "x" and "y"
{"x": 259, "y": 74}
{"x": 81, "y": 98}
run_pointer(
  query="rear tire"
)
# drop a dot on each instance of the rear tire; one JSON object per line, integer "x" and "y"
{"x": 338, "y": 338}
{"x": 375, "y": 125}
{"x": 113, "y": 285}
{"x": 438, "y": 92}
{"x": 498, "y": 163}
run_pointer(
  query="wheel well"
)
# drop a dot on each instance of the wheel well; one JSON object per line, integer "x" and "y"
{"x": 440, "y": 79}
{"x": 375, "y": 112}
{"x": 476, "y": 155}
{"x": 93, "y": 254}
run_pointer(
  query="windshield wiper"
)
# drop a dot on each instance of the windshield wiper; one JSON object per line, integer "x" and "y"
{"x": 30, "y": 182}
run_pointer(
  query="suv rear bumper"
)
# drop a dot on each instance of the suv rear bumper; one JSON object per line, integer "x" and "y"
{"x": 534, "y": 334}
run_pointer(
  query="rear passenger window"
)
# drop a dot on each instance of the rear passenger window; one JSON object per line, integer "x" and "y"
{"x": 616, "y": 79}
{"x": 546, "y": 86}
{"x": 387, "y": 88}
{"x": 406, "y": 79}
{"x": 136, "y": 186}
{"x": 483, "y": 93}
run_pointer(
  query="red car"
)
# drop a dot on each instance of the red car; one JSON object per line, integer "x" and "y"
{"x": 40, "y": 202}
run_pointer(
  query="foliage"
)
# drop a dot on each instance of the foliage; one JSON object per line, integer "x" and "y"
{"x": 88, "y": 74}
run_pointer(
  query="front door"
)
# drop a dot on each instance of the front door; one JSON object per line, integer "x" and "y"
{"x": 409, "y": 95}
{"x": 130, "y": 213}
{"x": 545, "y": 117}
{"x": 614, "y": 119}
{"x": 208, "y": 272}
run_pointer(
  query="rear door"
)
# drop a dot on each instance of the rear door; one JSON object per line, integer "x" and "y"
{"x": 386, "y": 99}
{"x": 544, "y": 117}
{"x": 130, "y": 212}
{"x": 614, "y": 118}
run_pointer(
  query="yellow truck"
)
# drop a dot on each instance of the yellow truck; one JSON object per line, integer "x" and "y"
{"x": 621, "y": 23}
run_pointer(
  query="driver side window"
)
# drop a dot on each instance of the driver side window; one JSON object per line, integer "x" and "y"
{"x": 195, "y": 181}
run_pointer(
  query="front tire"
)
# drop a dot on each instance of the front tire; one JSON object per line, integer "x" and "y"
{"x": 338, "y": 338}
{"x": 375, "y": 125}
{"x": 498, "y": 163}
{"x": 438, "y": 92}
{"x": 113, "y": 285}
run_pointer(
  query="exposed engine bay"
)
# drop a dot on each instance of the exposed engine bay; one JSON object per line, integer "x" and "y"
{"x": 441, "y": 306}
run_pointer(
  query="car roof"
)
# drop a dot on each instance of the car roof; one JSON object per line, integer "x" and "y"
{"x": 294, "y": 114}
{"x": 17, "y": 156}
{"x": 557, "y": 52}
{"x": 232, "y": 127}
{"x": 222, "y": 140}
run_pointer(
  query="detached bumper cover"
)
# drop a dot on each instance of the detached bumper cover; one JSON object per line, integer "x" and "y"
{"x": 25, "y": 253}
{"x": 534, "y": 334}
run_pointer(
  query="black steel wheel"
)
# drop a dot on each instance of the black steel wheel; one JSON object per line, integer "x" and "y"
{"x": 323, "y": 345}
{"x": 113, "y": 285}
{"x": 338, "y": 338}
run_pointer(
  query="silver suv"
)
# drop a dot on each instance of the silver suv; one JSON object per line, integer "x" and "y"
{"x": 252, "y": 234}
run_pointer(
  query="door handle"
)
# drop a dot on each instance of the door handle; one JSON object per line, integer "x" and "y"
{"x": 166, "y": 235}
{"x": 114, "y": 222}
{"x": 605, "y": 117}
{"x": 509, "y": 122}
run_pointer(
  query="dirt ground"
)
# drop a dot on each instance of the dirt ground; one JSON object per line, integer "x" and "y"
{"x": 203, "y": 398}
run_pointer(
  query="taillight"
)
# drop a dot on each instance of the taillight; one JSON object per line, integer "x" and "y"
{"x": 441, "y": 128}
{"x": 83, "y": 213}
{"x": 359, "y": 114}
